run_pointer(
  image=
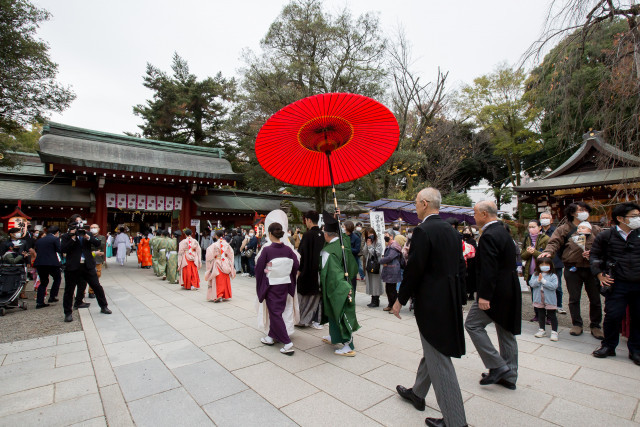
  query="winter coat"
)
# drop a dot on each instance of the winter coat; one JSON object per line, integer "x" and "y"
{"x": 549, "y": 284}
{"x": 390, "y": 271}
{"x": 541, "y": 244}
{"x": 610, "y": 246}
{"x": 572, "y": 254}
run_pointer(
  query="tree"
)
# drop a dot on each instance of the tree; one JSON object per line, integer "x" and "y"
{"x": 495, "y": 104}
{"x": 28, "y": 88}
{"x": 600, "y": 49}
{"x": 457, "y": 199}
{"x": 306, "y": 51}
{"x": 183, "y": 109}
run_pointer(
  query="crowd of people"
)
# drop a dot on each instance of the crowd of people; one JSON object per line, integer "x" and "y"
{"x": 309, "y": 279}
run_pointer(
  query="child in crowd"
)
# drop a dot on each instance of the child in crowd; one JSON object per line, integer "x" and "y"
{"x": 543, "y": 284}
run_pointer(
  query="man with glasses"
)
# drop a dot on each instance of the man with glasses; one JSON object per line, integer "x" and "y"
{"x": 615, "y": 259}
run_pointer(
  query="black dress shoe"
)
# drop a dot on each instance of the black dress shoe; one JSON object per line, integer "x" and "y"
{"x": 92, "y": 295}
{"x": 83, "y": 305}
{"x": 408, "y": 394}
{"x": 635, "y": 357}
{"x": 53, "y": 300}
{"x": 435, "y": 422}
{"x": 495, "y": 375}
{"x": 68, "y": 318}
{"x": 603, "y": 351}
{"x": 105, "y": 310}
{"x": 504, "y": 383}
{"x": 42, "y": 305}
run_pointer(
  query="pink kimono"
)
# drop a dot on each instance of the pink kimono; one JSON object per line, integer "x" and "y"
{"x": 189, "y": 261}
{"x": 219, "y": 267}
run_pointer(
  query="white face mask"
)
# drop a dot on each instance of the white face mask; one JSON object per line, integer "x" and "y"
{"x": 583, "y": 216}
{"x": 94, "y": 231}
{"x": 17, "y": 235}
{"x": 545, "y": 268}
{"x": 634, "y": 223}
{"x": 251, "y": 234}
{"x": 359, "y": 228}
{"x": 545, "y": 222}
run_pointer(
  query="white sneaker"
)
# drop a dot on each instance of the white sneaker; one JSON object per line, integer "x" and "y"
{"x": 541, "y": 333}
{"x": 345, "y": 351}
{"x": 554, "y": 336}
{"x": 316, "y": 325}
{"x": 561, "y": 311}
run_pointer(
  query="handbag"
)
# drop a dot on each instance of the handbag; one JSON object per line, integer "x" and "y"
{"x": 373, "y": 265}
{"x": 248, "y": 253}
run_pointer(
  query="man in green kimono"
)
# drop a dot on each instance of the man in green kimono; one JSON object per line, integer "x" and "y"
{"x": 172, "y": 260}
{"x": 164, "y": 243}
{"x": 153, "y": 243}
{"x": 338, "y": 300}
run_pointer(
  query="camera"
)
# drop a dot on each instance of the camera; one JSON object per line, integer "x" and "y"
{"x": 610, "y": 268}
{"x": 80, "y": 228}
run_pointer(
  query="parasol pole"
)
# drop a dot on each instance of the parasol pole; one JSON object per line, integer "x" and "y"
{"x": 335, "y": 202}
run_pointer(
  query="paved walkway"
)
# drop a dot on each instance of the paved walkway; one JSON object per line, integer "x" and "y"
{"x": 167, "y": 357}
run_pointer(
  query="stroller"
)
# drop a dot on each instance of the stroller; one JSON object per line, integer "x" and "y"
{"x": 13, "y": 277}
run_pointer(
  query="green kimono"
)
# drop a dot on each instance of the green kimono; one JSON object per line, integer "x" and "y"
{"x": 172, "y": 262}
{"x": 164, "y": 243}
{"x": 338, "y": 308}
{"x": 153, "y": 243}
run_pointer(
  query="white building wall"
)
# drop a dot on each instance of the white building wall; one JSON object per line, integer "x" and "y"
{"x": 483, "y": 191}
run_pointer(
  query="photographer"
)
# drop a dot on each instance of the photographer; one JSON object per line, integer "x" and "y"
{"x": 80, "y": 267}
{"x": 615, "y": 259}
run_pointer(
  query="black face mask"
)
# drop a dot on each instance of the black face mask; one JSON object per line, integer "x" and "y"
{"x": 466, "y": 235}
{"x": 386, "y": 239}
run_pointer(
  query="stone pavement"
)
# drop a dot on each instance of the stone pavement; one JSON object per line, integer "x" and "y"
{"x": 167, "y": 357}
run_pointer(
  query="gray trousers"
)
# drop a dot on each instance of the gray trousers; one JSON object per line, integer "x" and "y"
{"x": 476, "y": 323}
{"x": 437, "y": 368}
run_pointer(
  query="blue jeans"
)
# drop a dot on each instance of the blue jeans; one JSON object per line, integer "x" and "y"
{"x": 360, "y": 269}
{"x": 237, "y": 262}
{"x": 252, "y": 266}
{"x": 559, "y": 289}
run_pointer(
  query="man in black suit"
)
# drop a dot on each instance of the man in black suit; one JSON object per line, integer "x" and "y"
{"x": 80, "y": 268}
{"x": 47, "y": 263}
{"x": 434, "y": 278}
{"x": 499, "y": 299}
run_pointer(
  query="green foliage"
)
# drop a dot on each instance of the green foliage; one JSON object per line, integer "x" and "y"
{"x": 184, "y": 109}
{"x": 22, "y": 140}
{"x": 28, "y": 89}
{"x": 306, "y": 51}
{"x": 457, "y": 199}
{"x": 583, "y": 84}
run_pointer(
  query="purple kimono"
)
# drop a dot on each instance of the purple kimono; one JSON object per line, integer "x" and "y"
{"x": 276, "y": 269}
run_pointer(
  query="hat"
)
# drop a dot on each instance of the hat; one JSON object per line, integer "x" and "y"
{"x": 177, "y": 233}
{"x": 14, "y": 230}
{"x": 585, "y": 224}
{"x": 330, "y": 223}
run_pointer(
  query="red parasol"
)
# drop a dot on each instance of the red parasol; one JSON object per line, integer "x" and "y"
{"x": 327, "y": 139}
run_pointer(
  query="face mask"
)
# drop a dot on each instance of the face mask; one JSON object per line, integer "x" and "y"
{"x": 634, "y": 223}
{"x": 387, "y": 239}
{"x": 466, "y": 235}
{"x": 17, "y": 235}
{"x": 583, "y": 216}
{"x": 545, "y": 268}
{"x": 251, "y": 234}
{"x": 545, "y": 222}
{"x": 359, "y": 228}
{"x": 343, "y": 230}
{"x": 94, "y": 231}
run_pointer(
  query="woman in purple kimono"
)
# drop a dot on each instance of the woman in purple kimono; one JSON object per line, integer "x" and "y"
{"x": 276, "y": 269}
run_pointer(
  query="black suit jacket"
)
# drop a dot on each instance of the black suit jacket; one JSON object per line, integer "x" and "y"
{"x": 434, "y": 276}
{"x": 74, "y": 251}
{"x": 47, "y": 249}
{"x": 497, "y": 277}
{"x": 310, "y": 246}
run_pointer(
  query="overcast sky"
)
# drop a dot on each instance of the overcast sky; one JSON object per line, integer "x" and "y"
{"x": 102, "y": 47}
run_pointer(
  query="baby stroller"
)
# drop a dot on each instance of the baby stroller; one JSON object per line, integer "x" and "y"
{"x": 12, "y": 282}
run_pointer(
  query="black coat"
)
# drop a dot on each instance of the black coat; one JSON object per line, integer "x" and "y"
{"x": 47, "y": 251}
{"x": 74, "y": 251}
{"x": 608, "y": 247}
{"x": 310, "y": 246}
{"x": 497, "y": 277}
{"x": 434, "y": 276}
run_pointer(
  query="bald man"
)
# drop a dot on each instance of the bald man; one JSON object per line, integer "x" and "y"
{"x": 499, "y": 299}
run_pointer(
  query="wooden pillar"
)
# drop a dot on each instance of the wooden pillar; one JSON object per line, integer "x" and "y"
{"x": 100, "y": 217}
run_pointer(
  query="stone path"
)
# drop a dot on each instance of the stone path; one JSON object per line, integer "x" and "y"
{"x": 167, "y": 357}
